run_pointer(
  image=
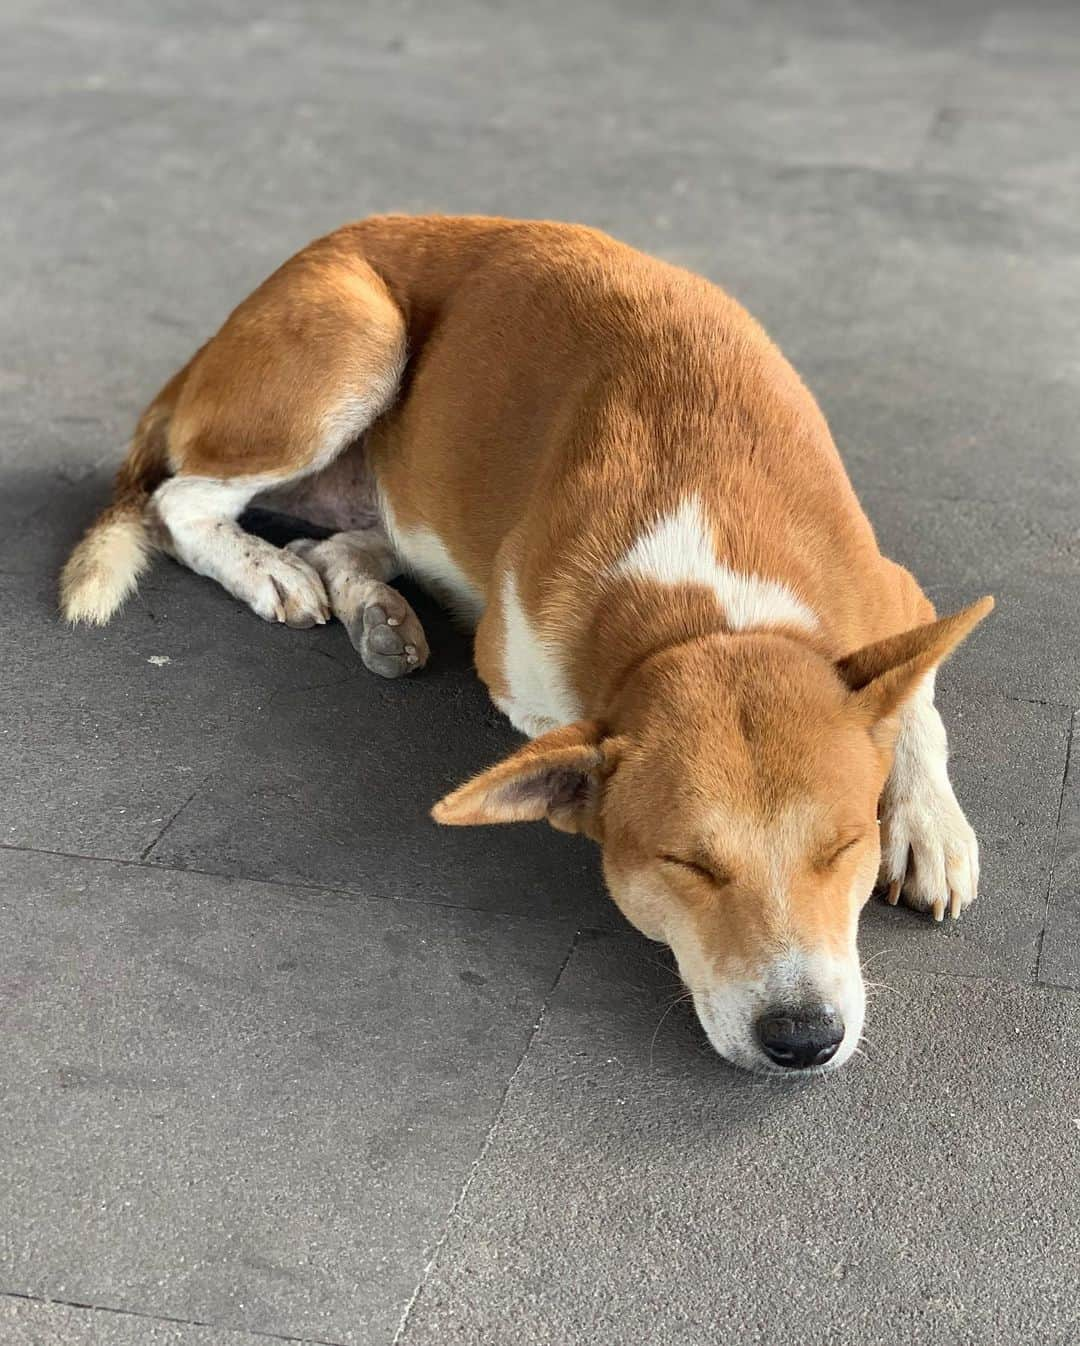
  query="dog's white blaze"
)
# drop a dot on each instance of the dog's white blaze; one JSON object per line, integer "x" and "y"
{"x": 678, "y": 549}
{"x": 538, "y": 697}
{"x": 424, "y": 555}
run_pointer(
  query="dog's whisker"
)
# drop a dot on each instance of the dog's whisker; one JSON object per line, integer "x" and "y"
{"x": 873, "y": 958}
{"x": 680, "y": 1000}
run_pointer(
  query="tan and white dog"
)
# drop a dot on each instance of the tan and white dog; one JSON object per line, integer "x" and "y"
{"x": 606, "y": 464}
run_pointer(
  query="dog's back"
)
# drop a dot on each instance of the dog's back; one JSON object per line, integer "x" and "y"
{"x": 568, "y": 396}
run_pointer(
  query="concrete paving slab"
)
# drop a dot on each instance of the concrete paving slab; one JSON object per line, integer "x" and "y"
{"x": 1013, "y": 109}
{"x": 638, "y": 1191}
{"x": 251, "y": 52}
{"x": 333, "y": 786}
{"x": 840, "y": 93}
{"x": 911, "y": 25}
{"x": 985, "y": 309}
{"x": 1059, "y": 960}
{"x": 1025, "y": 555}
{"x": 921, "y": 430}
{"x": 106, "y": 733}
{"x": 245, "y": 1105}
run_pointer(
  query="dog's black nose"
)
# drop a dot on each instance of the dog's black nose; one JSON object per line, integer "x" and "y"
{"x": 800, "y": 1038}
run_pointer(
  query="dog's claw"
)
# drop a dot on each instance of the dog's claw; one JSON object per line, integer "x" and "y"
{"x": 294, "y": 593}
{"x": 279, "y": 599}
{"x": 930, "y": 858}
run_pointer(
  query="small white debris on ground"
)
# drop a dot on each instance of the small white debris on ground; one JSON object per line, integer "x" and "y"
{"x": 158, "y": 659}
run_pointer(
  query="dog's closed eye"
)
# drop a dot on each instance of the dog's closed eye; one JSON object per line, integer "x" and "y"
{"x": 831, "y": 854}
{"x": 712, "y": 876}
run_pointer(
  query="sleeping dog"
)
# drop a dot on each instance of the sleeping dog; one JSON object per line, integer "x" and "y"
{"x": 605, "y": 464}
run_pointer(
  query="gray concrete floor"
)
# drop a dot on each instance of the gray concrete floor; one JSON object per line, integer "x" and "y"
{"x": 283, "y": 1062}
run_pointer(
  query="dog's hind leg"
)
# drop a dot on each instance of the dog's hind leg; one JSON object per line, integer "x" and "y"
{"x": 297, "y": 373}
{"x": 198, "y": 527}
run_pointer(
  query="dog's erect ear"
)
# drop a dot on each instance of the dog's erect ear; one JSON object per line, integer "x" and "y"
{"x": 883, "y": 675}
{"x": 558, "y": 776}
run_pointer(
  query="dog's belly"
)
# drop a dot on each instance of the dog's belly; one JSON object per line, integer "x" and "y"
{"x": 342, "y": 496}
{"x": 345, "y": 497}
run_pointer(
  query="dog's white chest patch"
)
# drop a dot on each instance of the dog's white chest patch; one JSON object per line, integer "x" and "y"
{"x": 538, "y": 696}
{"x": 678, "y": 549}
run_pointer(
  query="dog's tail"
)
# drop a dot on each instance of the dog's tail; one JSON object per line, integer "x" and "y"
{"x": 104, "y": 569}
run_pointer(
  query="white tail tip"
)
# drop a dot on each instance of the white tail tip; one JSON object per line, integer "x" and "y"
{"x": 104, "y": 569}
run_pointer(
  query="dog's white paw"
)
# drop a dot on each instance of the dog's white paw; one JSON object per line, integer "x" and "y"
{"x": 929, "y": 854}
{"x": 281, "y": 587}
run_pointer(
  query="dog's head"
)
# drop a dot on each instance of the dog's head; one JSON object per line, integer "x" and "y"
{"x": 735, "y": 798}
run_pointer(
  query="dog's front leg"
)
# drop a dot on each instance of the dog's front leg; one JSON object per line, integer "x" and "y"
{"x": 929, "y": 855}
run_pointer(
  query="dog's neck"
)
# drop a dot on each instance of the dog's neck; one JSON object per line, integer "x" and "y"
{"x": 637, "y": 633}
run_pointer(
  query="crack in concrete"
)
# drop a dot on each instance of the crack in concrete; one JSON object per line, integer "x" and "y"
{"x": 485, "y": 1146}
{"x": 1038, "y": 701}
{"x": 1054, "y": 850}
{"x": 145, "y": 853}
{"x": 297, "y": 885}
{"x": 168, "y": 1318}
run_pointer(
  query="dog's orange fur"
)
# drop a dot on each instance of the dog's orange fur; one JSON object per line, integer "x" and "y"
{"x": 562, "y": 392}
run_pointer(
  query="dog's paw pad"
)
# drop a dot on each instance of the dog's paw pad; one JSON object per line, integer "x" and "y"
{"x": 387, "y": 634}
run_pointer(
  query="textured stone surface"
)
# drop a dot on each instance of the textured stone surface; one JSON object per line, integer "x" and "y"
{"x": 637, "y": 1191}
{"x": 244, "y": 1105}
{"x": 333, "y": 785}
{"x": 107, "y": 733}
{"x": 259, "y": 1014}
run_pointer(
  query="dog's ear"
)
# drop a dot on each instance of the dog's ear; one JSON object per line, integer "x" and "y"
{"x": 558, "y": 776}
{"x": 883, "y": 675}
